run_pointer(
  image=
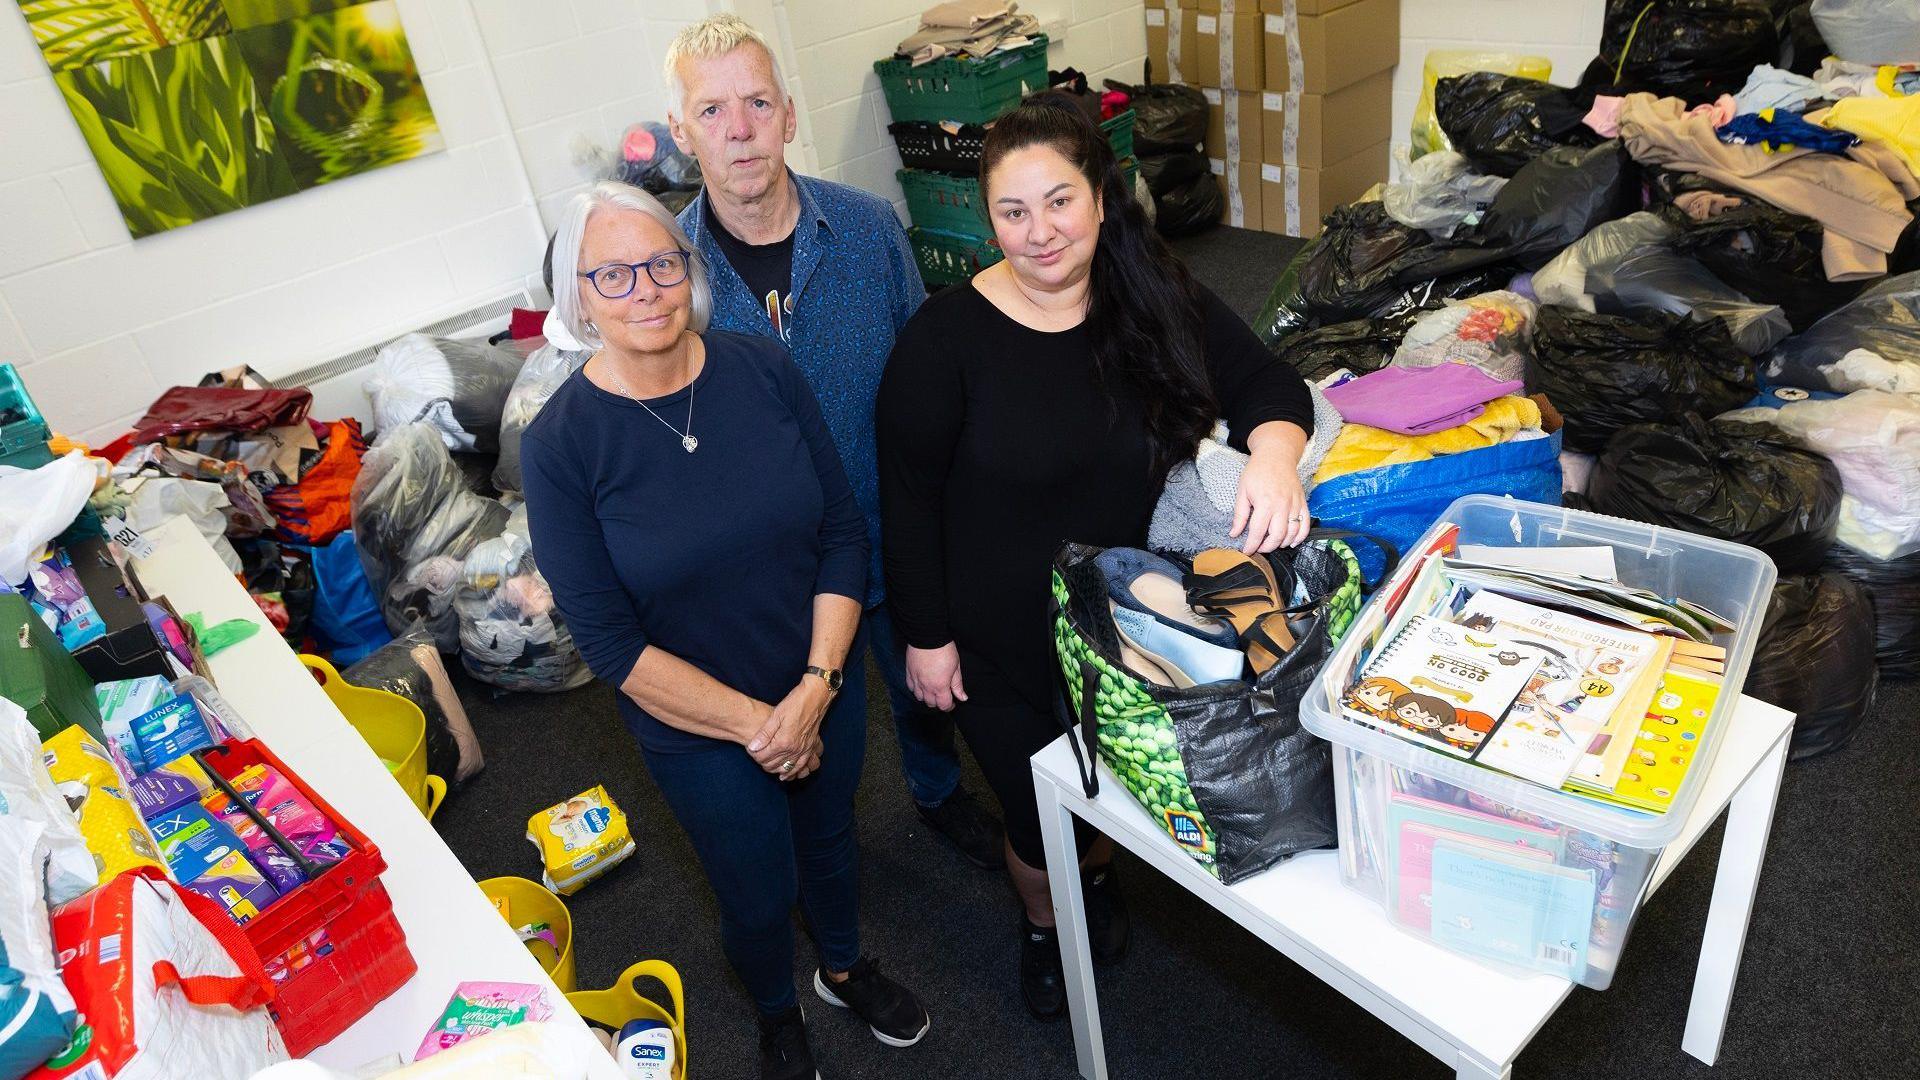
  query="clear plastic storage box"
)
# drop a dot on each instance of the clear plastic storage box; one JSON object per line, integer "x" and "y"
{"x": 1614, "y": 848}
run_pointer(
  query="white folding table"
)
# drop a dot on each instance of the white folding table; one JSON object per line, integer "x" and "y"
{"x": 1468, "y": 1015}
{"x": 452, "y": 929}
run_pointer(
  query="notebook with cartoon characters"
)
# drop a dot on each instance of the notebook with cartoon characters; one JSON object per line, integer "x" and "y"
{"x": 1441, "y": 686}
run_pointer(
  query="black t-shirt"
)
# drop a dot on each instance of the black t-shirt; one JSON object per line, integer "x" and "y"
{"x": 997, "y": 443}
{"x": 766, "y": 268}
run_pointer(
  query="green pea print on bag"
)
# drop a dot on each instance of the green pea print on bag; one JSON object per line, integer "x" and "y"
{"x": 1225, "y": 768}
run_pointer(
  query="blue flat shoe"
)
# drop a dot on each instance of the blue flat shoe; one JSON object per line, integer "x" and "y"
{"x": 1151, "y": 613}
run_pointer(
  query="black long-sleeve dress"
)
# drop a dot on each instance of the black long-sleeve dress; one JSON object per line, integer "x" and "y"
{"x": 997, "y": 444}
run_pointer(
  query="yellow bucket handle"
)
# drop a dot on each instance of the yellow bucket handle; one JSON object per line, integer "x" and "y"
{"x": 436, "y": 793}
{"x": 620, "y": 1003}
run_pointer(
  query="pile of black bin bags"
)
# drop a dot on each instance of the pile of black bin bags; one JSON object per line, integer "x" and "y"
{"x": 1707, "y": 374}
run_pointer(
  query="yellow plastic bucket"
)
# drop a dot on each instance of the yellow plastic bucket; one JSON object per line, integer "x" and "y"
{"x": 619, "y": 1003}
{"x": 394, "y": 728}
{"x": 530, "y": 902}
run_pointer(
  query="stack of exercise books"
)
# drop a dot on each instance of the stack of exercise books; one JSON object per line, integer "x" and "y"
{"x": 1538, "y": 663}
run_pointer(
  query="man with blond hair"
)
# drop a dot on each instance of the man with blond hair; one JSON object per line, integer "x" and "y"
{"x": 826, "y": 269}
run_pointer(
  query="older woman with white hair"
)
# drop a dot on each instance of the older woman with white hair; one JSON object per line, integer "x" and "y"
{"x": 703, "y": 542}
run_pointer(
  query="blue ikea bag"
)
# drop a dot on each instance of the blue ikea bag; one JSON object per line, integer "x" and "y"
{"x": 346, "y": 616}
{"x": 1399, "y": 502}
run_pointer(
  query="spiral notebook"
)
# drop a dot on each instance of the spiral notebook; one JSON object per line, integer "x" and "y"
{"x": 1440, "y": 685}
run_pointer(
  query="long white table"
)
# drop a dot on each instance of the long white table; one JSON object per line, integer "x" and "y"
{"x": 1470, "y": 1016}
{"x": 451, "y": 927}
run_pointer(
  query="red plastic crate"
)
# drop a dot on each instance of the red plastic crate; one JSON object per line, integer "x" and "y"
{"x": 332, "y": 944}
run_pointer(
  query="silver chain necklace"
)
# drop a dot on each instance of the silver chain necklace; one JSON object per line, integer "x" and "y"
{"x": 687, "y": 441}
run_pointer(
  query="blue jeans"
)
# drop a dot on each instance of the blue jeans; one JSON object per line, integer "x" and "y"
{"x": 927, "y": 754}
{"x": 765, "y": 844}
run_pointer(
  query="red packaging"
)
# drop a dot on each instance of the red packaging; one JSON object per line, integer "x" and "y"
{"x": 332, "y": 945}
{"x": 166, "y": 986}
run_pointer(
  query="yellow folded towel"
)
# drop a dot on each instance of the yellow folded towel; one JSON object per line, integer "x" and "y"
{"x": 1360, "y": 447}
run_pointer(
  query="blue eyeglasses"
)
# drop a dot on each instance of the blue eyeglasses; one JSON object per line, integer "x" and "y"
{"x": 615, "y": 281}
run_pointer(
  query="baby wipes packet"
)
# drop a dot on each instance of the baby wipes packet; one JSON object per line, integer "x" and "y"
{"x": 480, "y": 1007}
{"x": 580, "y": 839}
{"x": 85, "y": 776}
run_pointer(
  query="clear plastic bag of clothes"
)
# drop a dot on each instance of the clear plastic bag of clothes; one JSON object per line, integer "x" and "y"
{"x": 1885, "y": 319}
{"x": 511, "y": 635}
{"x": 546, "y": 368}
{"x": 414, "y": 520}
{"x": 1491, "y": 331}
{"x": 457, "y": 386}
{"x": 1870, "y": 31}
{"x": 1439, "y": 193}
{"x": 1656, "y": 279}
{"x": 1873, "y": 438}
{"x": 410, "y": 666}
{"x": 1563, "y": 280}
{"x": 1501, "y": 122}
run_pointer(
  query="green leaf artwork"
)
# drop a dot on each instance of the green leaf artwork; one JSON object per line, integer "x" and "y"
{"x": 193, "y": 108}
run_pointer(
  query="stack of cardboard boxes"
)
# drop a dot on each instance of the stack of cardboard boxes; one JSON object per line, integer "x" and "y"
{"x": 1300, "y": 94}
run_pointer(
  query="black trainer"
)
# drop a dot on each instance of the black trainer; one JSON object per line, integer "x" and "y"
{"x": 895, "y": 1015}
{"x": 968, "y": 827}
{"x": 784, "y": 1053}
{"x": 1042, "y": 983}
{"x": 1109, "y": 926}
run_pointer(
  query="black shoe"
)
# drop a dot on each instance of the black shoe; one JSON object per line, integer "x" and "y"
{"x": 891, "y": 1010}
{"x": 968, "y": 827}
{"x": 1042, "y": 982}
{"x": 1109, "y": 927}
{"x": 784, "y": 1053}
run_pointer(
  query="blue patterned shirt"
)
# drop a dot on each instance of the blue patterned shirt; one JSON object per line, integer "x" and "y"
{"x": 855, "y": 284}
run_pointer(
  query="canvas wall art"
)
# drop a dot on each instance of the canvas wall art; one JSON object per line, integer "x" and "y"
{"x": 195, "y": 108}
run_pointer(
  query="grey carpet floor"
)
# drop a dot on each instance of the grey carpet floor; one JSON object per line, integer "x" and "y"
{"x": 1828, "y": 986}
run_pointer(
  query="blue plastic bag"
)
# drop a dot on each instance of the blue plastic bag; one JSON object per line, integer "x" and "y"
{"x": 1399, "y": 502}
{"x": 346, "y": 617}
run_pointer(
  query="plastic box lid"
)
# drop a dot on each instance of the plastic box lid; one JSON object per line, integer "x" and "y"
{"x": 1732, "y": 579}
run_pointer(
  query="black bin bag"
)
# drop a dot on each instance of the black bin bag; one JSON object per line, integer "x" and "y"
{"x": 1743, "y": 482}
{"x": 1186, "y": 198}
{"x": 1502, "y": 122}
{"x": 1815, "y": 659}
{"x": 1607, "y": 372}
{"x": 1167, "y": 119}
{"x": 1359, "y": 346}
{"x": 410, "y": 666}
{"x": 1692, "y": 49}
{"x": 1893, "y": 586}
{"x": 1765, "y": 253}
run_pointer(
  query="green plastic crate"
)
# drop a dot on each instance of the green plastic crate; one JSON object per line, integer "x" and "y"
{"x": 961, "y": 90}
{"x": 943, "y": 202}
{"x": 1119, "y": 131}
{"x": 950, "y": 258}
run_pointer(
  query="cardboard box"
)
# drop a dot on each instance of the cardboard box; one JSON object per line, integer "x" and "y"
{"x": 1240, "y": 186}
{"x": 1242, "y": 141}
{"x": 1170, "y": 45}
{"x": 1337, "y": 47}
{"x": 1311, "y": 130}
{"x": 1222, "y": 50}
{"x": 1294, "y": 199}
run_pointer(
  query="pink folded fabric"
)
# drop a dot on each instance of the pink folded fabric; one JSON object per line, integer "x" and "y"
{"x": 1419, "y": 401}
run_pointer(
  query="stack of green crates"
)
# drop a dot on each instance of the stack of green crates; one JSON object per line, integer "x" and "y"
{"x": 951, "y": 237}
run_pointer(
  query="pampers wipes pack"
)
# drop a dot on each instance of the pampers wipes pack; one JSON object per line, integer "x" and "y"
{"x": 579, "y": 840}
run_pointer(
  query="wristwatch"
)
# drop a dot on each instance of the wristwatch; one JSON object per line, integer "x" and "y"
{"x": 831, "y": 676}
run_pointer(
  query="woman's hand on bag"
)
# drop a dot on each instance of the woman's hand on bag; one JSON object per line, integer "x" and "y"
{"x": 934, "y": 676}
{"x": 792, "y": 731}
{"x": 1271, "y": 507}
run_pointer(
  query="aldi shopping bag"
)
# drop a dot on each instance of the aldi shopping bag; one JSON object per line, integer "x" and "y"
{"x": 1225, "y": 768}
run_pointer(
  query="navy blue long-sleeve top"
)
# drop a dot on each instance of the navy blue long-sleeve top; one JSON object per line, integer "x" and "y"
{"x": 714, "y": 556}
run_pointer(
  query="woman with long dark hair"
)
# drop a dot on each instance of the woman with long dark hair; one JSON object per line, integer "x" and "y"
{"x": 1045, "y": 401}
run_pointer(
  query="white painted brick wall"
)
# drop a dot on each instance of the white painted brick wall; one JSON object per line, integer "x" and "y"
{"x": 99, "y": 324}
{"x": 1564, "y": 31}
{"x": 835, "y": 43}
